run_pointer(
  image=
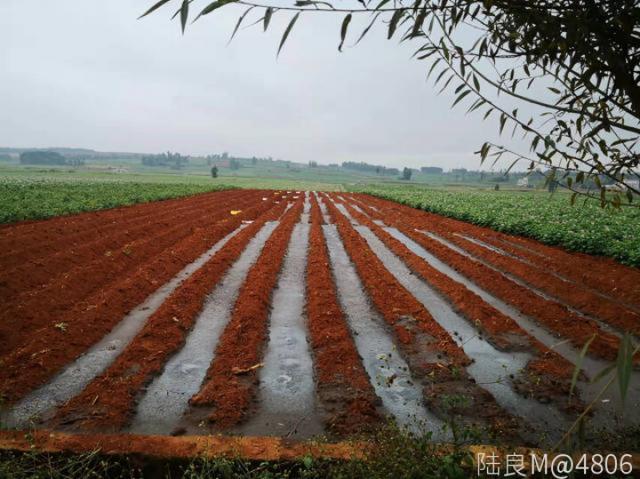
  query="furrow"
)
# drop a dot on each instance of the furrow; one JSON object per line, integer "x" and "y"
{"x": 602, "y": 274}
{"x": 490, "y": 367}
{"x": 433, "y": 356}
{"x": 75, "y": 377}
{"x": 37, "y": 240}
{"x": 484, "y": 312}
{"x": 32, "y": 273}
{"x": 553, "y": 316}
{"x": 79, "y": 287}
{"x": 571, "y": 294}
{"x": 347, "y": 398}
{"x": 47, "y": 349}
{"x": 164, "y": 402}
{"x": 230, "y": 381}
{"x": 108, "y": 401}
{"x": 287, "y": 393}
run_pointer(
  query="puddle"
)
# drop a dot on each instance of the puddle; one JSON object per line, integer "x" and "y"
{"x": 74, "y": 377}
{"x": 166, "y": 399}
{"x": 402, "y": 398}
{"x": 286, "y": 398}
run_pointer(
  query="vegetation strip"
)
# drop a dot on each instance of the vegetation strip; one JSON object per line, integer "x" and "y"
{"x": 108, "y": 401}
{"x": 501, "y": 329}
{"x": 343, "y": 386}
{"x": 241, "y": 344}
{"x": 49, "y": 347}
{"x": 76, "y": 375}
{"x": 550, "y": 314}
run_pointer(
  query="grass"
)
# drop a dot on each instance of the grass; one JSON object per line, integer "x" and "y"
{"x": 550, "y": 219}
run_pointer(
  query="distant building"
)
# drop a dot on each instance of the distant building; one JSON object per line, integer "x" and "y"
{"x": 523, "y": 182}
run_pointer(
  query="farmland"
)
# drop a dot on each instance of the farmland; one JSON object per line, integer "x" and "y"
{"x": 550, "y": 219}
{"x": 285, "y": 314}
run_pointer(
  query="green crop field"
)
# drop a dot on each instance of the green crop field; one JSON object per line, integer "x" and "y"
{"x": 548, "y": 218}
{"x": 28, "y": 199}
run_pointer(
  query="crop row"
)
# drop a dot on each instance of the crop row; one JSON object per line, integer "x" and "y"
{"x": 550, "y": 219}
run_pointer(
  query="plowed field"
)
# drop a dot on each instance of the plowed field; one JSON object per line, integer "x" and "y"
{"x": 294, "y": 315}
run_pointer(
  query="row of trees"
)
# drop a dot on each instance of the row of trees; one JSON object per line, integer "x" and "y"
{"x": 42, "y": 157}
{"x": 172, "y": 160}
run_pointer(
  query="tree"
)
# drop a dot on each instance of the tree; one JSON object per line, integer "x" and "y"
{"x": 584, "y": 54}
{"x": 234, "y": 164}
{"x": 406, "y": 173}
{"x": 214, "y": 172}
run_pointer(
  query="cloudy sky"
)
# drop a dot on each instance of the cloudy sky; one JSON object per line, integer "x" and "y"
{"x": 87, "y": 73}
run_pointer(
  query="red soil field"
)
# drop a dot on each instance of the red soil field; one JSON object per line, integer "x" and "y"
{"x": 67, "y": 282}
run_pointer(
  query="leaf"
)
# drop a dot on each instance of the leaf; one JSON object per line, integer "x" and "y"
{"x": 267, "y": 18}
{"x": 343, "y": 30}
{"x": 366, "y": 30}
{"x": 393, "y": 23}
{"x": 153, "y": 8}
{"x": 214, "y": 6}
{"x": 235, "y": 30}
{"x": 460, "y": 97}
{"x": 287, "y": 31}
{"x": 578, "y": 368}
{"x": 417, "y": 26}
{"x": 623, "y": 365}
{"x": 184, "y": 14}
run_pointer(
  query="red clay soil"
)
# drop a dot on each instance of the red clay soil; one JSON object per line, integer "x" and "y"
{"x": 36, "y": 240}
{"x": 342, "y": 383}
{"x": 573, "y": 295}
{"x": 108, "y": 401}
{"x": 184, "y": 447}
{"x": 552, "y": 315}
{"x": 52, "y": 261}
{"x": 565, "y": 270}
{"x": 99, "y": 270}
{"x": 501, "y": 330}
{"x": 422, "y": 340}
{"x": 242, "y": 342}
{"x": 600, "y": 273}
{"x": 47, "y": 349}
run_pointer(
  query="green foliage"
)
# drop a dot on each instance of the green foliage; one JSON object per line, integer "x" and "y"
{"x": 550, "y": 219}
{"x": 31, "y": 199}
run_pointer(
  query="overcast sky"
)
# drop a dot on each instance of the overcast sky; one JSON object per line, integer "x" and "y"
{"x": 87, "y": 73}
